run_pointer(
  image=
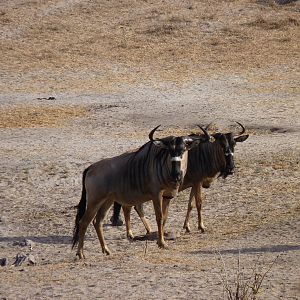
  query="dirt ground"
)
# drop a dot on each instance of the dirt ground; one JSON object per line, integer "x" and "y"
{"x": 85, "y": 80}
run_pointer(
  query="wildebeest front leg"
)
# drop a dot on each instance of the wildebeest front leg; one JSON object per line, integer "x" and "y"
{"x": 199, "y": 201}
{"x": 139, "y": 209}
{"x": 126, "y": 211}
{"x": 191, "y": 205}
{"x": 157, "y": 203}
{"x": 98, "y": 224}
{"x": 165, "y": 211}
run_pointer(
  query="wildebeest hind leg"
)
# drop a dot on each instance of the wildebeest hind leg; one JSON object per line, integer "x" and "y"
{"x": 83, "y": 225}
{"x": 139, "y": 209}
{"x": 199, "y": 202}
{"x": 126, "y": 211}
{"x": 98, "y": 223}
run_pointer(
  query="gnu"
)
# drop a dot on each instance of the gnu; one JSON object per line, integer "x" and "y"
{"x": 205, "y": 162}
{"x": 156, "y": 169}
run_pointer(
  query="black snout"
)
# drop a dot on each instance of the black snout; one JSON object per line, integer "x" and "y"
{"x": 178, "y": 177}
{"x": 226, "y": 172}
{"x": 176, "y": 173}
{"x": 230, "y": 172}
{"x": 229, "y": 168}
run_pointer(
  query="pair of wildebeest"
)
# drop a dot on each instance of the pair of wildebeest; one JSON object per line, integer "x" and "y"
{"x": 156, "y": 171}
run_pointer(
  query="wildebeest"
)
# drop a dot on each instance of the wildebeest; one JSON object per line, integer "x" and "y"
{"x": 205, "y": 162}
{"x": 132, "y": 178}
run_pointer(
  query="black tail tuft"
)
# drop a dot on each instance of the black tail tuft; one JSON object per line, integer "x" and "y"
{"x": 81, "y": 207}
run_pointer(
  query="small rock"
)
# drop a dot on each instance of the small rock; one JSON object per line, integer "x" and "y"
{"x": 29, "y": 243}
{"x": 20, "y": 258}
{"x": 24, "y": 243}
{"x": 31, "y": 259}
{"x": 45, "y": 98}
{"x": 3, "y": 262}
{"x": 23, "y": 270}
{"x": 2, "y": 220}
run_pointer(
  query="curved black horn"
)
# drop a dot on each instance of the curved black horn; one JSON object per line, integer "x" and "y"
{"x": 205, "y": 132}
{"x": 207, "y": 126}
{"x": 243, "y": 128}
{"x": 151, "y": 133}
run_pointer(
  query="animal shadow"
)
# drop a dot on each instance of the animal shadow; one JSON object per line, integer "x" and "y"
{"x": 250, "y": 250}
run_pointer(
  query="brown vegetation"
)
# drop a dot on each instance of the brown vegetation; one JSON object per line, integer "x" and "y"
{"x": 143, "y": 41}
{"x": 29, "y": 116}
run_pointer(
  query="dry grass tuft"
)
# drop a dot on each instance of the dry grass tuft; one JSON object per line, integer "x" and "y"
{"x": 25, "y": 116}
{"x": 273, "y": 24}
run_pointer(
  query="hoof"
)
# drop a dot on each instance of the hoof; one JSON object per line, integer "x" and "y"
{"x": 106, "y": 251}
{"x": 130, "y": 237}
{"x": 116, "y": 222}
{"x": 80, "y": 255}
{"x": 202, "y": 228}
{"x": 187, "y": 228}
{"x": 162, "y": 245}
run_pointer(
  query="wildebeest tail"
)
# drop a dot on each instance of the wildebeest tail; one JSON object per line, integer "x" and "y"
{"x": 81, "y": 207}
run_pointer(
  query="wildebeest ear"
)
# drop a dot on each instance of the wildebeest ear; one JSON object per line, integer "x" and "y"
{"x": 217, "y": 135}
{"x": 160, "y": 144}
{"x": 241, "y": 138}
{"x": 190, "y": 143}
{"x": 212, "y": 139}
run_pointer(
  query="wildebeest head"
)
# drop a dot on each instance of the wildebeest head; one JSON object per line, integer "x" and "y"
{"x": 227, "y": 142}
{"x": 177, "y": 148}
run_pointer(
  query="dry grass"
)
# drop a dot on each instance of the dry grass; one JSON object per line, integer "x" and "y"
{"x": 90, "y": 47}
{"x": 24, "y": 116}
{"x": 273, "y": 24}
{"x": 125, "y": 42}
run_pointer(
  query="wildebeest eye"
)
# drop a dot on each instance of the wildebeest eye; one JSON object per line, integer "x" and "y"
{"x": 189, "y": 142}
{"x": 160, "y": 144}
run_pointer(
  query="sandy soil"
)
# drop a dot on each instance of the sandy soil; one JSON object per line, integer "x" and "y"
{"x": 116, "y": 69}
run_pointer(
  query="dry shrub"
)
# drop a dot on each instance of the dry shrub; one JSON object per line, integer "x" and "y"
{"x": 30, "y": 116}
{"x": 3, "y": 18}
{"x": 273, "y": 24}
{"x": 239, "y": 286}
{"x": 161, "y": 29}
